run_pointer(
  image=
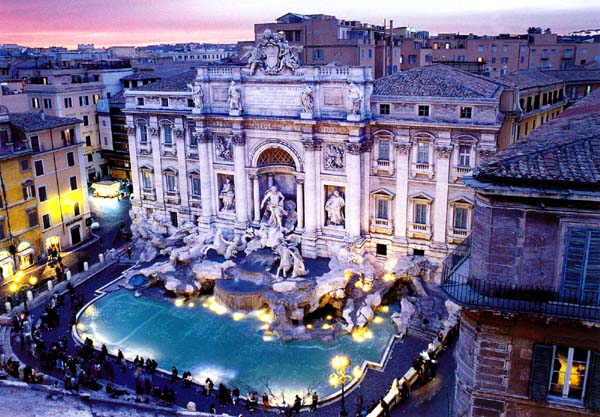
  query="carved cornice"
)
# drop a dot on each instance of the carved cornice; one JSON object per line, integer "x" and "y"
{"x": 205, "y": 137}
{"x": 312, "y": 145}
{"x": 403, "y": 148}
{"x": 354, "y": 148}
{"x": 443, "y": 151}
{"x": 486, "y": 153}
{"x": 238, "y": 139}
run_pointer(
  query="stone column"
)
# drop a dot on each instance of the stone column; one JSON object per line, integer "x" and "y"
{"x": 353, "y": 189}
{"x": 442, "y": 173}
{"x": 204, "y": 141}
{"x": 154, "y": 138}
{"x": 300, "y": 203}
{"x": 256, "y": 197}
{"x": 401, "y": 206}
{"x": 310, "y": 186}
{"x": 241, "y": 198}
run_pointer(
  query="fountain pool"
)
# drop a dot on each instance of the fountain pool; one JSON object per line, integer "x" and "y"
{"x": 230, "y": 347}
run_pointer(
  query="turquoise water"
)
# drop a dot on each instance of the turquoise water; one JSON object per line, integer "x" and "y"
{"x": 229, "y": 348}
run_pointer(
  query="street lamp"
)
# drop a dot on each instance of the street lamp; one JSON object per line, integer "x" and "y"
{"x": 339, "y": 363}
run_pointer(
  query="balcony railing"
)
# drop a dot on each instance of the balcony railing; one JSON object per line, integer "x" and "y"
{"x": 422, "y": 168}
{"x": 384, "y": 226}
{"x": 473, "y": 293}
{"x": 419, "y": 231}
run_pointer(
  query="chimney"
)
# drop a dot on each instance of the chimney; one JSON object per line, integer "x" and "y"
{"x": 42, "y": 115}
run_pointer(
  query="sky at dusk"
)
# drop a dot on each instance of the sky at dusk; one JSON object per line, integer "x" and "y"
{"x": 141, "y": 22}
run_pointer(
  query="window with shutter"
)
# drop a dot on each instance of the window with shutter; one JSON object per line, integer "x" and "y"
{"x": 541, "y": 366}
{"x": 581, "y": 275}
{"x": 593, "y": 392}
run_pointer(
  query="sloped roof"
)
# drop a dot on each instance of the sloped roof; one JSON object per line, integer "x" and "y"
{"x": 31, "y": 122}
{"x": 574, "y": 75}
{"x": 437, "y": 81}
{"x": 530, "y": 78}
{"x": 176, "y": 83}
{"x": 562, "y": 153}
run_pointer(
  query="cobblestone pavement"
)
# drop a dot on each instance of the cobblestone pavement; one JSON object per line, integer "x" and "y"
{"x": 374, "y": 385}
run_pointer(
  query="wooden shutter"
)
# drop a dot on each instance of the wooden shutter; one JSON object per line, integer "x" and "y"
{"x": 574, "y": 265}
{"x": 540, "y": 371}
{"x": 593, "y": 389}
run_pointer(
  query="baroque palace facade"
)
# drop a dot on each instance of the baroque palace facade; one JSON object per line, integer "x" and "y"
{"x": 374, "y": 163}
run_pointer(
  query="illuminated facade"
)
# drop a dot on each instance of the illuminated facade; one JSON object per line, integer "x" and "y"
{"x": 20, "y": 236}
{"x": 57, "y": 177}
{"x": 395, "y": 154}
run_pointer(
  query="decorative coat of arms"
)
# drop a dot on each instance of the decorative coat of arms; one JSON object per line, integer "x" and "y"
{"x": 272, "y": 54}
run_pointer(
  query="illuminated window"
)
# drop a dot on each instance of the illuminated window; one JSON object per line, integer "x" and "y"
{"x": 146, "y": 179}
{"x": 569, "y": 369}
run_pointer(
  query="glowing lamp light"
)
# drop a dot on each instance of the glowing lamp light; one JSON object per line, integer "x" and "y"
{"x": 13, "y": 287}
{"x": 237, "y": 316}
{"x": 309, "y": 326}
{"x": 191, "y": 304}
{"x": 80, "y": 327}
{"x": 357, "y": 372}
{"x": 179, "y": 302}
{"x": 378, "y": 320}
{"x": 19, "y": 276}
{"x": 33, "y": 280}
{"x": 340, "y": 362}
{"x": 347, "y": 275}
{"x": 329, "y": 317}
{"x": 333, "y": 380}
{"x": 384, "y": 309}
{"x": 326, "y": 326}
{"x": 389, "y": 277}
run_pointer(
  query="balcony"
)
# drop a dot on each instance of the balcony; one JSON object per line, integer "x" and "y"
{"x": 168, "y": 150}
{"x": 476, "y": 294}
{"x": 419, "y": 231}
{"x": 383, "y": 226}
{"x": 144, "y": 148}
{"x": 459, "y": 172}
{"x": 422, "y": 169}
{"x": 383, "y": 165}
{"x": 172, "y": 197}
{"x": 457, "y": 235}
{"x": 148, "y": 194}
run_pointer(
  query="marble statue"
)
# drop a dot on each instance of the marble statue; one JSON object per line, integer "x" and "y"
{"x": 227, "y": 195}
{"x": 223, "y": 148}
{"x": 289, "y": 258}
{"x": 334, "y": 157}
{"x": 306, "y": 100}
{"x": 234, "y": 97}
{"x": 224, "y": 247}
{"x": 291, "y": 217}
{"x": 334, "y": 206}
{"x": 274, "y": 201}
{"x": 256, "y": 57}
{"x": 197, "y": 94}
{"x": 356, "y": 97}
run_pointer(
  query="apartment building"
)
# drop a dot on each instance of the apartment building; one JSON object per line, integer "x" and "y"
{"x": 20, "y": 235}
{"x": 74, "y": 93}
{"x": 394, "y": 150}
{"x": 57, "y": 173}
{"x": 528, "y": 276}
{"x": 496, "y": 56}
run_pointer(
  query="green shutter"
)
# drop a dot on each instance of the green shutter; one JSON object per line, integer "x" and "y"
{"x": 541, "y": 367}
{"x": 593, "y": 392}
